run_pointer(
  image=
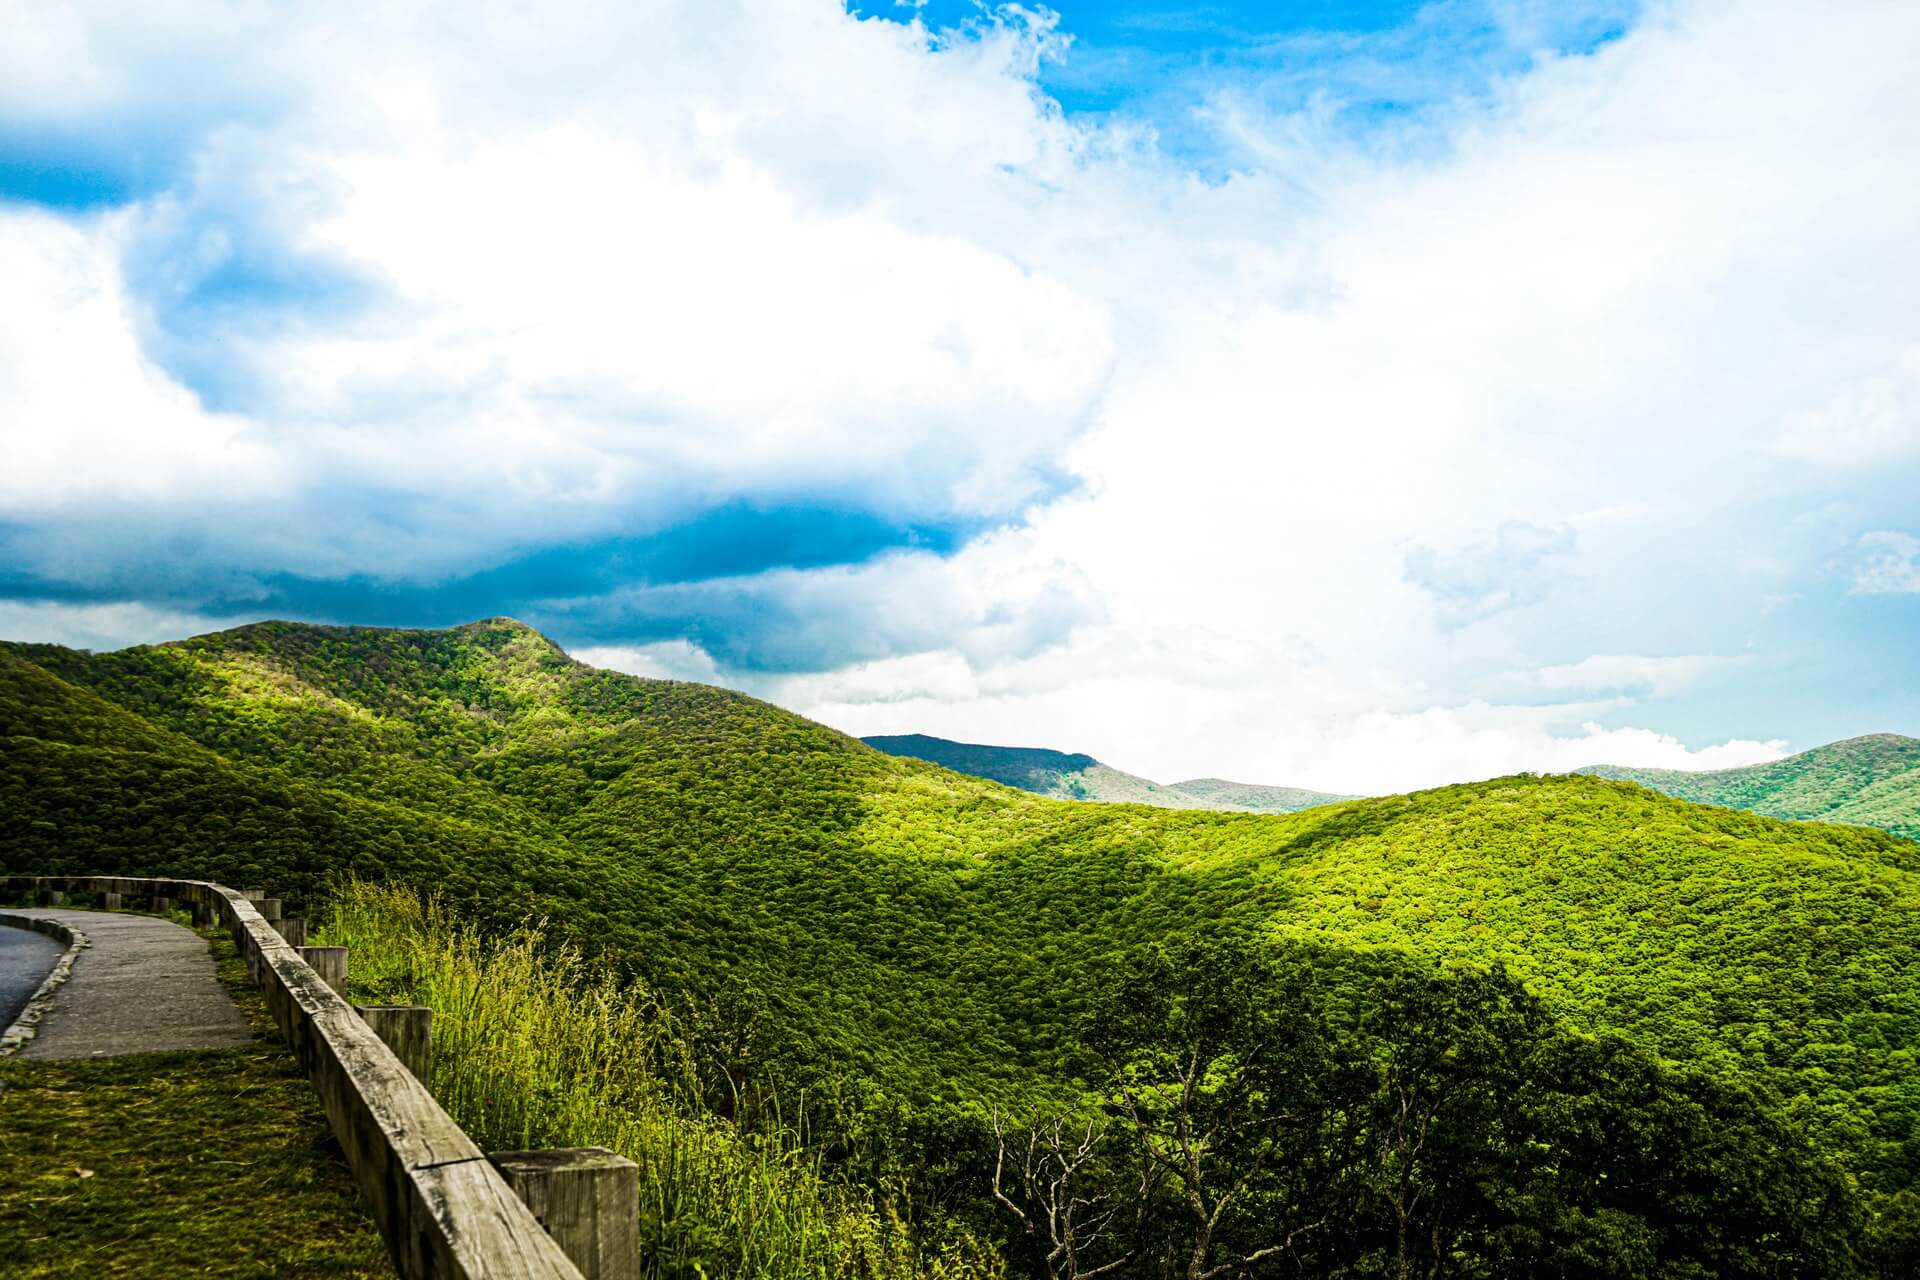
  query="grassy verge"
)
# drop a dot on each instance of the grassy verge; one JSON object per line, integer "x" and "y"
{"x": 533, "y": 1047}
{"x": 205, "y": 1163}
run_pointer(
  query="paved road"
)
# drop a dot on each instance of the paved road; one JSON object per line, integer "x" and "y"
{"x": 25, "y": 958}
{"x": 144, "y": 984}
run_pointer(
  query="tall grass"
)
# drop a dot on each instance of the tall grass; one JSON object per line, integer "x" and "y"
{"x": 536, "y": 1047}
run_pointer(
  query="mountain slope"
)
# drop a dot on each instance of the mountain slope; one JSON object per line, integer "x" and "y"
{"x": 938, "y": 935}
{"x": 1081, "y": 777}
{"x": 1252, "y": 797}
{"x": 1034, "y": 769}
{"x": 1872, "y": 781}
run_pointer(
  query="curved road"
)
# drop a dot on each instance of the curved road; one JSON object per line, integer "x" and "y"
{"x": 25, "y": 959}
{"x": 141, "y": 985}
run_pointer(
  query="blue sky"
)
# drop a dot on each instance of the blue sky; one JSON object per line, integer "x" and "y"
{"x": 1163, "y": 61}
{"x": 1352, "y": 395}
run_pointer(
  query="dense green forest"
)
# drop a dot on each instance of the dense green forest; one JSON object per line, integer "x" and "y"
{"x": 1080, "y": 777}
{"x": 1639, "y": 1036}
{"x": 1873, "y": 781}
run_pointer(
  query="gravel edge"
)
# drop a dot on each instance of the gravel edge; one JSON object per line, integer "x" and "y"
{"x": 27, "y": 1025}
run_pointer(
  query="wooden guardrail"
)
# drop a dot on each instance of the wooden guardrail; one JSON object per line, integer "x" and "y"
{"x": 444, "y": 1209}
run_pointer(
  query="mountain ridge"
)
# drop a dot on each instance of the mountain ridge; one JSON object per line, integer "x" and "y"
{"x": 1871, "y": 780}
{"x": 1076, "y": 776}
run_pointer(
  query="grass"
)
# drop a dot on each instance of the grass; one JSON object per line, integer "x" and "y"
{"x": 534, "y": 1047}
{"x": 206, "y": 1163}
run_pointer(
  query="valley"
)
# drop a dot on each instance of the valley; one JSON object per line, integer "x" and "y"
{"x": 913, "y": 950}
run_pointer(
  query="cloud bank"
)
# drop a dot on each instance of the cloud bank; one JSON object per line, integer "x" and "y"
{"x": 1563, "y": 415}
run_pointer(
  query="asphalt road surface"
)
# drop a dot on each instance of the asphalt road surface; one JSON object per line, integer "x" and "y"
{"x": 141, "y": 985}
{"x": 25, "y": 958}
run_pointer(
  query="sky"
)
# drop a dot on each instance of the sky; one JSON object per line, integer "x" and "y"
{"x": 1362, "y": 396}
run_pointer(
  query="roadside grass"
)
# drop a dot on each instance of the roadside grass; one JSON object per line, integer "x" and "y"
{"x": 534, "y": 1046}
{"x": 206, "y": 1163}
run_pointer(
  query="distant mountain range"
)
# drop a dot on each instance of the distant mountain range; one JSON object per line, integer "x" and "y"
{"x": 1081, "y": 777}
{"x": 1872, "y": 782}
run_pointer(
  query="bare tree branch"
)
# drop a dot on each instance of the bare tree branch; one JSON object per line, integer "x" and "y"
{"x": 1055, "y": 1161}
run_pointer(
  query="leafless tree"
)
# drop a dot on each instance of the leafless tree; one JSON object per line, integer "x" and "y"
{"x": 1053, "y": 1158}
{"x": 1188, "y": 1120}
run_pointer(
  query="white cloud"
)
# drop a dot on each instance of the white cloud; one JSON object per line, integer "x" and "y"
{"x": 1875, "y": 420}
{"x": 101, "y": 627}
{"x": 1351, "y": 436}
{"x": 1891, "y": 566}
{"x": 991, "y": 604}
{"x": 662, "y": 660}
{"x": 1169, "y": 729}
{"x": 1646, "y": 749}
{"x": 1512, "y": 569}
{"x": 85, "y": 416}
{"x": 1570, "y": 325}
{"x": 595, "y": 277}
{"x": 1631, "y": 673}
{"x": 1448, "y": 744}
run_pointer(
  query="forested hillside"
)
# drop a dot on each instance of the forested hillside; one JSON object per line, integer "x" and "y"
{"x": 1081, "y": 777}
{"x": 914, "y": 951}
{"x": 1873, "y": 781}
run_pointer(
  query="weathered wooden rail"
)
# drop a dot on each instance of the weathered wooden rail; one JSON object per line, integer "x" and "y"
{"x": 443, "y": 1207}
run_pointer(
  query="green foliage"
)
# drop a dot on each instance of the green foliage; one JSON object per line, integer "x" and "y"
{"x": 901, "y": 946}
{"x": 535, "y": 1047}
{"x": 1872, "y": 781}
{"x": 1320, "y": 1113}
{"x": 1780, "y": 953}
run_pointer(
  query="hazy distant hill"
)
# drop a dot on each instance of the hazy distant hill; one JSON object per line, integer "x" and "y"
{"x": 1081, "y": 777}
{"x": 1254, "y": 797}
{"x": 1872, "y": 781}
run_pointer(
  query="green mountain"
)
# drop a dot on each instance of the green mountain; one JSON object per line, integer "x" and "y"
{"x": 1872, "y": 781}
{"x": 1081, "y": 777}
{"x": 904, "y": 945}
{"x": 1251, "y": 797}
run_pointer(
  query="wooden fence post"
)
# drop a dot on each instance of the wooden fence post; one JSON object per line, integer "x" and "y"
{"x": 407, "y": 1029}
{"x": 588, "y": 1199}
{"x": 330, "y": 963}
